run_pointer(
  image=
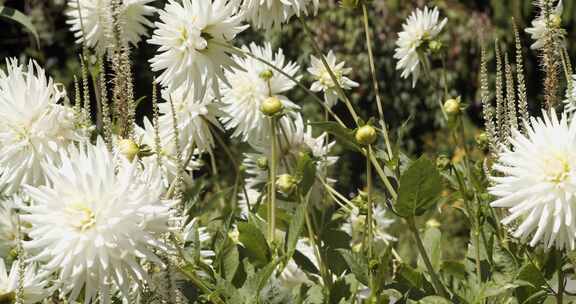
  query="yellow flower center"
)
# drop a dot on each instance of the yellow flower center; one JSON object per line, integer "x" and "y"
{"x": 82, "y": 217}
{"x": 557, "y": 169}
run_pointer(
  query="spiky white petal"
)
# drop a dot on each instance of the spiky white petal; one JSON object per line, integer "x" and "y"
{"x": 265, "y": 14}
{"x": 35, "y": 286}
{"x": 33, "y": 127}
{"x": 541, "y": 28}
{"x": 356, "y": 223}
{"x": 324, "y": 82}
{"x": 94, "y": 20}
{"x": 422, "y": 26}
{"x": 194, "y": 39}
{"x": 95, "y": 220}
{"x": 538, "y": 182}
{"x": 247, "y": 90}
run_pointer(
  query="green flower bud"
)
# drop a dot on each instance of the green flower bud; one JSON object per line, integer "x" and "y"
{"x": 452, "y": 106}
{"x": 482, "y": 140}
{"x": 286, "y": 183}
{"x": 435, "y": 46}
{"x": 262, "y": 163}
{"x": 128, "y": 148}
{"x": 271, "y": 106}
{"x": 266, "y": 75}
{"x": 366, "y": 135}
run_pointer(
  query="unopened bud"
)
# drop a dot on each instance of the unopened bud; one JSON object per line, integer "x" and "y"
{"x": 452, "y": 106}
{"x": 286, "y": 183}
{"x": 266, "y": 75}
{"x": 262, "y": 163}
{"x": 128, "y": 148}
{"x": 366, "y": 135}
{"x": 271, "y": 106}
{"x": 482, "y": 140}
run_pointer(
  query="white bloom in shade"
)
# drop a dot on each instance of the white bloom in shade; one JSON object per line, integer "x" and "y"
{"x": 8, "y": 224}
{"x": 541, "y": 28}
{"x": 195, "y": 117}
{"x": 96, "y": 220}
{"x": 96, "y": 21}
{"x": 267, "y": 13}
{"x": 292, "y": 276}
{"x": 324, "y": 82}
{"x": 421, "y": 27}
{"x": 295, "y": 138}
{"x": 34, "y": 285}
{"x": 356, "y": 223}
{"x": 538, "y": 182}
{"x": 194, "y": 39}
{"x": 33, "y": 127}
{"x": 250, "y": 85}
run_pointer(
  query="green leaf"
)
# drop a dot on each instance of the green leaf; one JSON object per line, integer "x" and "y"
{"x": 420, "y": 188}
{"x": 434, "y": 300}
{"x": 295, "y": 230}
{"x": 410, "y": 276}
{"x": 230, "y": 262}
{"x": 357, "y": 263}
{"x": 17, "y": 16}
{"x": 255, "y": 244}
{"x": 344, "y": 136}
{"x": 432, "y": 241}
{"x": 305, "y": 172}
{"x": 314, "y": 295}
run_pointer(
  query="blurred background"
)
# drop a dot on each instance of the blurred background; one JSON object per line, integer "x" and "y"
{"x": 413, "y": 114}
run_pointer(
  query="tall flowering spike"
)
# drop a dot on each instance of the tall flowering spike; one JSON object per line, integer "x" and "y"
{"x": 421, "y": 28}
{"x": 33, "y": 127}
{"x": 91, "y": 24}
{"x": 543, "y": 29}
{"x": 96, "y": 220}
{"x": 194, "y": 117}
{"x": 194, "y": 39}
{"x": 266, "y": 14}
{"x": 250, "y": 85}
{"x": 501, "y": 110}
{"x": 510, "y": 96}
{"x": 488, "y": 110}
{"x": 324, "y": 82}
{"x": 522, "y": 96}
{"x": 570, "y": 101}
{"x": 538, "y": 182}
{"x": 34, "y": 286}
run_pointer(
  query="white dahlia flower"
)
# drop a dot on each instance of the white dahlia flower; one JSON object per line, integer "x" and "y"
{"x": 33, "y": 127}
{"x": 34, "y": 285}
{"x": 92, "y": 24}
{"x": 538, "y": 182}
{"x": 195, "y": 117}
{"x": 194, "y": 39}
{"x": 250, "y": 85}
{"x": 265, "y": 14}
{"x": 323, "y": 81}
{"x": 96, "y": 220}
{"x": 541, "y": 28}
{"x": 419, "y": 29}
{"x": 356, "y": 224}
{"x": 292, "y": 276}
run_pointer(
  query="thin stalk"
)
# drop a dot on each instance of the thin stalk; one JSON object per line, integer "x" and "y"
{"x": 339, "y": 88}
{"x": 560, "y": 293}
{"x": 375, "y": 80}
{"x": 310, "y": 229}
{"x": 435, "y": 279}
{"x": 369, "y": 219}
{"x": 273, "y": 167}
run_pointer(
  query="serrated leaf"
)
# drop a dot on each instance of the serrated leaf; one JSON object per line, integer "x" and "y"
{"x": 432, "y": 242}
{"x": 18, "y": 17}
{"x": 314, "y": 295}
{"x": 306, "y": 172}
{"x": 343, "y": 136}
{"x": 230, "y": 262}
{"x": 434, "y": 300}
{"x": 357, "y": 264}
{"x": 255, "y": 244}
{"x": 420, "y": 188}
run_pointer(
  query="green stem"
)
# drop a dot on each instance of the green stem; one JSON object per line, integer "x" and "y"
{"x": 369, "y": 214}
{"x": 435, "y": 279}
{"x": 310, "y": 229}
{"x": 273, "y": 167}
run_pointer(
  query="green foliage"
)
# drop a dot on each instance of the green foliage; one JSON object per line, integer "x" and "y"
{"x": 420, "y": 187}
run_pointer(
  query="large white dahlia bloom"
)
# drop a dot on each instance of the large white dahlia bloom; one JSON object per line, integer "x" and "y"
{"x": 250, "y": 85}
{"x": 33, "y": 127}
{"x": 538, "y": 182}
{"x": 421, "y": 27}
{"x": 323, "y": 80}
{"x": 95, "y": 220}
{"x": 35, "y": 286}
{"x": 92, "y": 23}
{"x": 194, "y": 39}
{"x": 267, "y": 13}
{"x": 542, "y": 29}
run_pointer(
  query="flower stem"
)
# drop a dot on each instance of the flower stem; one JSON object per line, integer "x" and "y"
{"x": 272, "y": 185}
{"x": 435, "y": 279}
{"x": 561, "y": 285}
{"x": 370, "y": 207}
